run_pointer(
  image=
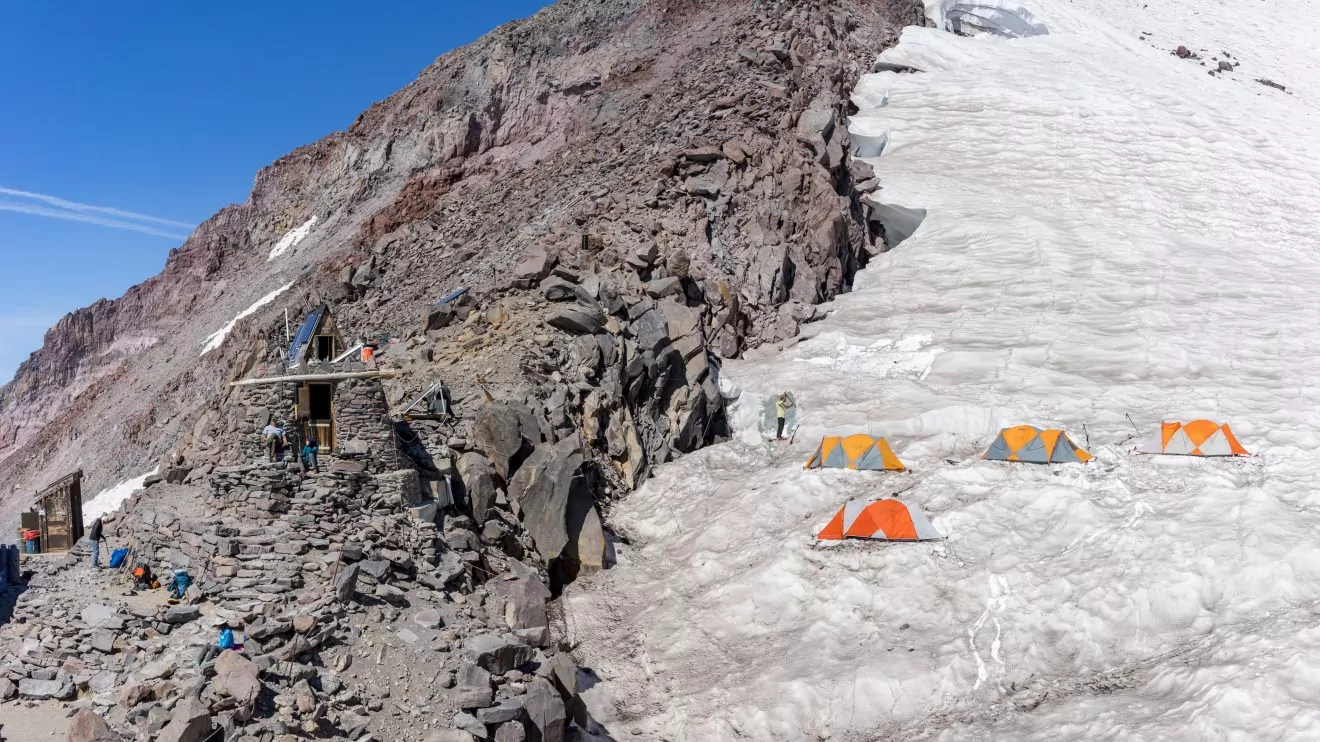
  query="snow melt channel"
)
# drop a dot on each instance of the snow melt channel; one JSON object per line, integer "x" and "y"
{"x": 217, "y": 338}
{"x": 1110, "y": 232}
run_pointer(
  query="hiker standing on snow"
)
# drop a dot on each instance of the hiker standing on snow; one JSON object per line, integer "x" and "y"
{"x": 94, "y": 536}
{"x": 274, "y": 436}
{"x": 782, "y": 406}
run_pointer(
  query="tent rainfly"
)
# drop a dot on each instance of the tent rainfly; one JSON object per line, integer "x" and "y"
{"x": 882, "y": 520}
{"x": 854, "y": 452}
{"x": 1196, "y": 438}
{"x": 1035, "y": 446}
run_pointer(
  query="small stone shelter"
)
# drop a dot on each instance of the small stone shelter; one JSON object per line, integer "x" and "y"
{"x": 343, "y": 405}
{"x": 57, "y": 513}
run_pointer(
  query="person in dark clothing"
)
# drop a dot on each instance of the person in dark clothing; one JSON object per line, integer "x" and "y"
{"x": 94, "y": 536}
{"x": 307, "y": 461}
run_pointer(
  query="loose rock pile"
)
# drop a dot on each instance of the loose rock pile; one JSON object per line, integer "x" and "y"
{"x": 358, "y": 620}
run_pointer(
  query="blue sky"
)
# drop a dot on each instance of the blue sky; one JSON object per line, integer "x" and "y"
{"x": 167, "y": 110}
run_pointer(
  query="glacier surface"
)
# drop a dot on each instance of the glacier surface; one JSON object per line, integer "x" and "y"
{"x": 1112, "y": 238}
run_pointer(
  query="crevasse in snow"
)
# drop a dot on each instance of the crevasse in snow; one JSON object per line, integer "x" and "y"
{"x": 1112, "y": 238}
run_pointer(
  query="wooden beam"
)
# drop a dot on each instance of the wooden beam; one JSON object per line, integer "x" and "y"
{"x": 337, "y": 376}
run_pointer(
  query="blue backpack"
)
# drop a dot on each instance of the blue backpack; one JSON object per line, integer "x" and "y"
{"x": 117, "y": 557}
{"x": 181, "y": 583}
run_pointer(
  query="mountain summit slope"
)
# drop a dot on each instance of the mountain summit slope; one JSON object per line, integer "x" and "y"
{"x": 661, "y": 153}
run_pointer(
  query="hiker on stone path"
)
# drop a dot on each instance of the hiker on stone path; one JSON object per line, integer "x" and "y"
{"x": 782, "y": 406}
{"x": 222, "y": 642}
{"x": 308, "y": 461}
{"x": 274, "y": 436}
{"x": 94, "y": 536}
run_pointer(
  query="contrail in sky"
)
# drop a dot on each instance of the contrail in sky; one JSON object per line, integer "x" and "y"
{"x": 78, "y": 212}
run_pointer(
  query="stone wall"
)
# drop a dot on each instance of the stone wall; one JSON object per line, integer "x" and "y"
{"x": 256, "y": 406}
{"x": 363, "y": 425}
{"x": 362, "y": 420}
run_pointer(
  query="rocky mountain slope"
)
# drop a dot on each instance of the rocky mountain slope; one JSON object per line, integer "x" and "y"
{"x": 681, "y": 156}
{"x": 630, "y": 191}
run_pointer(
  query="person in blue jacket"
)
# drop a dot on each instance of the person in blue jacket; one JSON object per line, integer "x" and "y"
{"x": 222, "y": 642}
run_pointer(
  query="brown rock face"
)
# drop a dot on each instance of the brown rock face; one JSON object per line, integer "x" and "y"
{"x": 681, "y": 166}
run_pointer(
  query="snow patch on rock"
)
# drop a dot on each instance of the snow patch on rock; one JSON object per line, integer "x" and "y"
{"x": 291, "y": 239}
{"x": 110, "y": 498}
{"x": 217, "y": 338}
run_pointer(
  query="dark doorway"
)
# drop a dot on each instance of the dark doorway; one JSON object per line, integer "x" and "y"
{"x": 318, "y": 401}
{"x": 325, "y": 347}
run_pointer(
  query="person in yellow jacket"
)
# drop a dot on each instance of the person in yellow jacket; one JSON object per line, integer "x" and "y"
{"x": 782, "y": 406}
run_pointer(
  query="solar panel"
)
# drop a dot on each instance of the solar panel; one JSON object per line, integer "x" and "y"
{"x": 304, "y": 335}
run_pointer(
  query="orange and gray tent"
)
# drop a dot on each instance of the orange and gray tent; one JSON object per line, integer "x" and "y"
{"x": 854, "y": 452}
{"x": 1196, "y": 438}
{"x": 1035, "y": 446}
{"x": 882, "y": 520}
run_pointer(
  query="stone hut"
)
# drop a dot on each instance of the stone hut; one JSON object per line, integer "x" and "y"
{"x": 343, "y": 405}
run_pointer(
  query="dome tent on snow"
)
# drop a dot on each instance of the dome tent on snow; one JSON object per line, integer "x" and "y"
{"x": 1196, "y": 438}
{"x": 1006, "y": 19}
{"x": 881, "y": 520}
{"x": 858, "y": 451}
{"x": 1034, "y": 446}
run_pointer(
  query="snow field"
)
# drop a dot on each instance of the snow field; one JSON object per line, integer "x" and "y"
{"x": 1110, "y": 234}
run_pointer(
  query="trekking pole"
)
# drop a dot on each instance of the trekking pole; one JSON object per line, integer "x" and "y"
{"x": 1134, "y": 425}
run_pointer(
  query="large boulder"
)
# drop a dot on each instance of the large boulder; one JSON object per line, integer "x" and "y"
{"x": 545, "y": 712}
{"x": 99, "y": 615}
{"x": 237, "y": 677}
{"x": 508, "y": 709}
{"x": 578, "y": 318}
{"x": 59, "y": 689}
{"x": 346, "y": 582}
{"x": 479, "y": 484}
{"x": 135, "y": 694}
{"x": 439, "y": 318}
{"x": 473, "y": 686}
{"x": 535, "y": 265}
{"x": 524, "y": 610}
{"x": 506, "y": 433}
{"x": 190, "y": 722}
{"x": 88, "y": 726}
{"x": 497, "y": 654}
{"x": 558, "y": 509}
{"x": 179, "y": 614}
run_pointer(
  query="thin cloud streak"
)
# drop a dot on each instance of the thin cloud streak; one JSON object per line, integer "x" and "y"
{"x": 89, "y": 208}
{"x": 75, "y": 216}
